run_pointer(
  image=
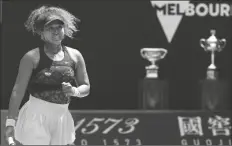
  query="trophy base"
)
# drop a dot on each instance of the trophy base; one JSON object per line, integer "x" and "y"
{"x": 212, "y": 74}
{"x": 152, "y": 73}
{"x": 212, "y": 67}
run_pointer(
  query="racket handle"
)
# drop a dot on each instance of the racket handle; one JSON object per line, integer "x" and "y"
{"x": 11, "y": 141}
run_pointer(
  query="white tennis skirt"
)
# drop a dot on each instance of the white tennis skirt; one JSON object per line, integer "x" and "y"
{"x": 44, "y": 123}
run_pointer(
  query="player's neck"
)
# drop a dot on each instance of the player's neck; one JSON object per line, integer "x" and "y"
{"x": 52, "y": 48}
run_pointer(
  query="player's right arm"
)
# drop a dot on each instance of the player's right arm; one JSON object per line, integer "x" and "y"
{"x": 24, "y": 73}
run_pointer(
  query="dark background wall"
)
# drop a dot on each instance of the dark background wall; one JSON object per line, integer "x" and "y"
{"x": 112, "y": 34}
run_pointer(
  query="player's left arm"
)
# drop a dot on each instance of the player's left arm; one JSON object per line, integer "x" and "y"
{"x": 82, "y": 75}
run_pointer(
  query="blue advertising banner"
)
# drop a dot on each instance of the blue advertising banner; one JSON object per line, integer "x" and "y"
{"x": 149, "y": 127}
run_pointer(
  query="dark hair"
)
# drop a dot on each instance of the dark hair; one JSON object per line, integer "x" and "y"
{"x": 36, "y": 18}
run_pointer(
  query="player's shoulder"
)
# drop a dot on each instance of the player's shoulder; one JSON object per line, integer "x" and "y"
{"x": 30, "y": 57}
{"x": 74, "y": 51}
{"x": 32, "y": 54}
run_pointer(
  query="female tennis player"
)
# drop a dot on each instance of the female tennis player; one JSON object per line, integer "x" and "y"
{"x": 52, "y": 73}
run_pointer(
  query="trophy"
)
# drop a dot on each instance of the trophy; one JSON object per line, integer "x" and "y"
{"x": 212, "y": 45}
{"x": 152, "y": 55}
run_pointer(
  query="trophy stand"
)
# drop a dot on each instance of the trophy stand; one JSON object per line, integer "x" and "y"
{"x": 214, "y": 92}
{"x": 212, "y": 74}
{"x": 152, "y": 71}
{"x": 153, "y": 92}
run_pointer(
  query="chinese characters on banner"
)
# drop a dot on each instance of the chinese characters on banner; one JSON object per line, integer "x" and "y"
{"x": 220, "y": 126}
{"x": 191, "y": 130}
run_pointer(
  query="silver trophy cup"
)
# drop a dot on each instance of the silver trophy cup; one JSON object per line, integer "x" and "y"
{"x": 212, "y": 45}
{"x": 153, "y": 55}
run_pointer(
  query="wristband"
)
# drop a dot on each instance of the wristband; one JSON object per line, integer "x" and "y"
{"x": 10, "y": 122}
{"x": 76, "y": 92}
{"x": 11, "y": 141}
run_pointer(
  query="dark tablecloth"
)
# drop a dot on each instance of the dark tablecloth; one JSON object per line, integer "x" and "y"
{"x": 153, "y": 94}
{"x": 215, "y": 94}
